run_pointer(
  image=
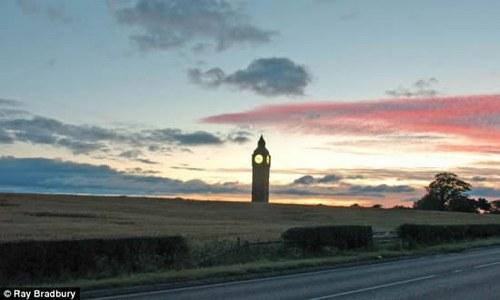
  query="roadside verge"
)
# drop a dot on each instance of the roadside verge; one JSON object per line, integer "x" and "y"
{"x": 141, "y": 282}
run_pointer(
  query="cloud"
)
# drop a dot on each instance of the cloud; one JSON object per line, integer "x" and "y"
{"x": 479, "y": 179}
{"x": 475, "y": 117}
{"x": 308, "y": 179}
{"x": 420, "y": 88}
{"x": 187, "y": 168}
{"x": 488, "y": 192}
{"x": 240, "y": 137}
{"x": 57, "y": 176}
{"x": 169, "y": 24}
{"x": 186, "y": 139}
{"x": 77, "y": 147}
{"x": 141, "y": 171}
{"x": 350, "y": 185}
{"x": 490, "y": 149}
{"x": 421, "y": 175}
{"x": 136, "y": 155}
{"x": 265, "y": 76}
{"x": 47, "y": 175}
{"x": 382, "y": 189}
{"x": 54, "y": 13}
{"x": 8, "y": 108}
{"x": 330, "y": 178}
{"x": 146, "y": 161}
{"x": 197, "y": 138}
{"x": 210, "y": 78}
{"x": 5, "y": 138}
{"x": 40, "y": 130}
{"x": 9, "y": 102}
{"x": 310, "y": 185}
{"x": 298, "y": 191}
{"x": 344, "y": 190}
{"x": 131, "y": 153}
{"x": 85, "y": 139}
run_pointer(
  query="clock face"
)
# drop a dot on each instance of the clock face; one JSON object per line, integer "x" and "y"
{"x": 258, "y": 159}
{"x": 268, "y": 160}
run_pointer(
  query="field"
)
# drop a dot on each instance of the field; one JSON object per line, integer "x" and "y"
{"x": 44, "y": 217}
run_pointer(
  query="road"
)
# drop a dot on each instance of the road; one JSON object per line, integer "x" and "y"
{"x": 468, "y": 275}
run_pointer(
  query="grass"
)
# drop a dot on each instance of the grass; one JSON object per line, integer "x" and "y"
{"x": 212, "y": 230}
{"x": 58, "y": 215}
{"x": 67, "y": 217}
{"x": 271, "y": 267}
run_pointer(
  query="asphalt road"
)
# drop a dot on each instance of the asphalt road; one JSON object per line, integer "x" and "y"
{"x": 468, "y": 275}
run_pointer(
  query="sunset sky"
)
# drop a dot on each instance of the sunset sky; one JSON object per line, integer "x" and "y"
{"x": 359, "y": 101}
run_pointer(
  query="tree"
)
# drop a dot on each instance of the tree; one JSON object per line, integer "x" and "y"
{"x": 495, "y": 204}
{"x": 495, "y": 207}
{"x": 427, "y": 202}
{"x": 446, "y": 192}
{"x": 483, "y": 204}
{"x": 463, "y": 204}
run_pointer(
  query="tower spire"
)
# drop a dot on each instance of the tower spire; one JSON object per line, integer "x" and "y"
{"x": 261, "y": 143}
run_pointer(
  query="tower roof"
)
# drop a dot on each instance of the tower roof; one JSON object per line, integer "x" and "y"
{"x": 261, "y": 147}
{"x": 261, "y": 143}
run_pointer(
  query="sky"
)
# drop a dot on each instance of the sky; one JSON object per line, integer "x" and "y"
{"x": 359, "y": 101}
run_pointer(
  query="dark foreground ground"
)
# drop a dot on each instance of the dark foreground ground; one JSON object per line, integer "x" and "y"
{"x": 468, "y": 275}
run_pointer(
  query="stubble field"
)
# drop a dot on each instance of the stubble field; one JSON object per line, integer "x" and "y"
{"x": 43, "y": 217}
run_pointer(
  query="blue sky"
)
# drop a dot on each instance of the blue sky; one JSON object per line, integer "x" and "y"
{"x": 79, "y": 62}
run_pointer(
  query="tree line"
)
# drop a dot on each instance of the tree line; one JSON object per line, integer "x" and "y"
{"x": 447, "y": 192}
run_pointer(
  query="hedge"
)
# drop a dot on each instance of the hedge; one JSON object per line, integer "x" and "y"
{"x": 413, "y": 234}
{"x": 341, "y": 237}
{"x": 35, "y": 261}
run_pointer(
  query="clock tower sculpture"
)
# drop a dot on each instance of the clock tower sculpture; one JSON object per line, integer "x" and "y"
{"x": 261, "y": 163}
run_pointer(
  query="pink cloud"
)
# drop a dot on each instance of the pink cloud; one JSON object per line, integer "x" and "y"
{"x": 491, "y": 149}
{"x": 476, "y": 117}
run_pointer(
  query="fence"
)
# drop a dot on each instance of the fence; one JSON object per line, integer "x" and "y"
{"x": 385, "y": 236}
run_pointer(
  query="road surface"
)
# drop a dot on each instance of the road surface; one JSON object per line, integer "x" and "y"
{"x": 469, "y": 275}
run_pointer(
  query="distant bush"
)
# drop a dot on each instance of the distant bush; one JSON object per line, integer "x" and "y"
{"x": 413, "y": 234}
{"x": 35, "y": 261}
{"x": 341, "y": 237}
{"x": 400, "y": 207}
